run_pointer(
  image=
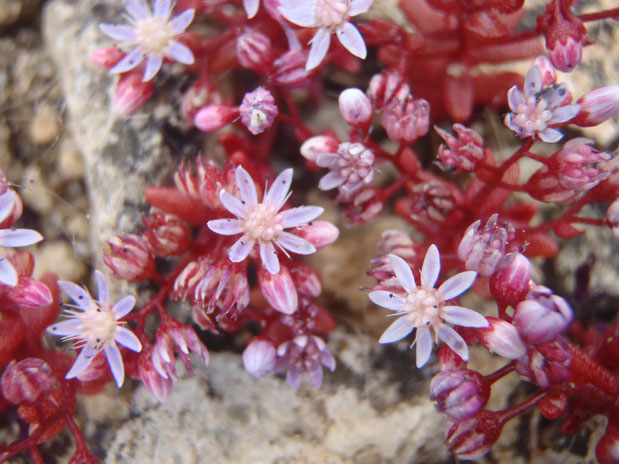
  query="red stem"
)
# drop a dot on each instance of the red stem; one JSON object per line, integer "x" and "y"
{"x": 500, "y": 373}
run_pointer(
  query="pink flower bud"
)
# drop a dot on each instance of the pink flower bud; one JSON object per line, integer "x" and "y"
{"x": 319, "y": 233}
{"x": 459, "y": 394}
{"x": 355, "y": 108}
{"x": 172, "y": 336}
{"x": 542, "y": 316}
{"x": 462, "y": 153}
{"x": 612, "y": 216}
{"x": 366, "y": 206}
{"x": 598, "y": 106}
{"x": 27, "y": 294}
{"x": 279, "y": 290}
{"x": 318, "y": 145}
{"x": 502, "y": 338}
{"x": 289, "y": 70}
{"x": 259, "y": 357}
{"x": 131, "y": 94}
{"x": 546, "y": 364}
{"x": 566, "y": 53}
{"x": 472, "y": 438}
{"x": 11, "y": 205}
{"x": 159, "y": 386}
{"x": 130, "y": 257}
{"x": 254, "y": 51}
{"x": 194, "y": 98}
{"x": 386, "y": 86}
{"x": 405, "y": 120}
{"x": 258, "y": 110}
{"x": 28, "y": 381}
{"x": 214, "y": 117}
{"x": 546, "y": 69}
{"x": 511, "y": 283}
{"x": 166, "y": 234}
{"x": 306, "y": 280}
{"x": 107, "y": 57}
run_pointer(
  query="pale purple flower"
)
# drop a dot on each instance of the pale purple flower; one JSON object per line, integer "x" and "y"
{"x": 351, "y": 167}
{"x": 425, "y": 308}
{"x": 10, "y": 238}
{"x": 263, "y": 223}
{"x": 538, "y": 108}
{"x": 150, "y": 35}
{"x": 328, "y": 16}
{"x": 304, "y": 354}
{"x": 96, "y": 326}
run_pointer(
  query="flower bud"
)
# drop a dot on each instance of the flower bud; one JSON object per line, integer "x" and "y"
{"x": 472, "y": 438}
{"x": 107, "y": 57}
{"x": 512, "y": 282}
{"x": 258, "y": 110}
{"x": 546, "y": 364}
{"x": 350, "y": 168}
{"x": 259, "y": 357}
{"x": 386, "y": 86}
{"x": 166, "y": 234}
{"x": 554, "y": 406}
{"x": 355, "y": 108}
{"x": 566, "y": 53}
{"x": 131, "y": 94}
{"x": 279, "y": 290}
{"x": 214, "y": 117}
{"x": 130, "y": 258}
{"x": 194, "y": 98}
{"x": 612, "y": 216}
{"x": 598, "y": 106}
{"x": 11, "y": 206}
{"x": 319, "y": 233}
{"x": 318, "y": 145}
{"x": 254, "y": 51}
{"x": 542, "y": 316}
{"x": 27, "y": 294}
{"x": 289, "y": 70}
{"x": 462, "y": 153}
{"x": 366, "y": 206}
{"x": 546, "y": 69}
{"x": 28, "y": 381}
{"x": 405, "y": 120}
{"x": 459, "y": 394}
{"x": 159, "y": 386}
{"x": 173, "y": 336}
{"x": 502, "y": 338}
{"x": 306, "y": 280}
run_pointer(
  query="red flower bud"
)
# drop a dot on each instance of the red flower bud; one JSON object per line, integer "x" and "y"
{"x": 28, "y": 381}
{"x": 279, "y": 289}
{"x": 130, "y": 258}
{"x": 319, "y": 233}
{"x": 512, "y": 282}
{"x": 306, "y": 280}
{"x": 598, "y": 106}
{"x": 459, "y": 394}
{"x": 502, "y": 338}
{"x": 214, "y": 117}
{"x": 166, "y": 234}
{"x": 131, "y": 94}
{"x": 254, "y": 51}
{"x": 472, "y": 438}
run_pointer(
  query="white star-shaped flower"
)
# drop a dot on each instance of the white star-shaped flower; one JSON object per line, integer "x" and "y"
{"x": 424, "y": 307}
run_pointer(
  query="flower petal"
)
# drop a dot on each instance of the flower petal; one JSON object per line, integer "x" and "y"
{"x": 251, "y": 7}
{"x": 457, "y": 285}
{"x": 7, "y": 203}
{"x": 78, "y": 294}
{"x": 326, "y": 160}
{"x": 179, "y": 52}
{"x": 130, "y": 61}
{"x": 278, "y": 192}
{"x": 330, "y": 181}
{"x": 300, "y": 12}
{"x": 115, "y": 361}
{"x": 464, "y": 317}
{"x": 454, "y": 340}
{"x": 225, "y": 226}
{"x": 66, "y": 328}
{"x": 82, "y": 361}
{"x": 162, "y": 8}
{"x": 386, "y": 299}
{"x": 241, "y": 249}
{"x": 350, "y": 37}
{"x": 295, "y": 244}
{"x": 533, "y": 81}
{"x": 127, "y": 338}
{"x": 268, "y": 255}
{"x": 431, "y": 267}
{"x": 119, "y": 32}
{"x": 424, "y": 344}
{"x": 137, "y": 8}
{"x": 19, "y": 237}
{"x": 564, "y": 113}
{"x": 403, "y": 272}
{"x": 246, "y": 186}
{"x": 319, "y": 49}
{"x": 398, "y": 329}
{"x": 550, "y": 135}
{"x": 358, "y": 7}
{"x": 301, "y": 215}
{"x": 8, "y": 274}
{"x": 515, "y": 97}
{"x": 180, "y": 22}
{"x": 232, "y": 203}
{"x": 103, "y": 292}
{"x": 153, "y": 65}
{"x": 123, "y": 307}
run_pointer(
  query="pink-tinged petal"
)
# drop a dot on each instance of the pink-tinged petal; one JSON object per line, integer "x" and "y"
{"x": 130, "y": 61}
{"x": 431, "y": 267}
{"x": 82, "y": 361}
{"x": 295, "y": 244}
{"x": 398, "y": 329}
{"x": 246, "y": 186}
{"x": 19, "y": 237}
{"x": 386, "y": 299}
{"x": 241, "y": 249}
{"x": 315, "y": 376}
{"x": 8, "y": 274}
{"x": 301, "y": 215}
{"x": 423, "y": 342}
{"x": 137, "y": 8}
{"x": 330, "y": 181}
{"x": 294, "y": 376}
{"x": 279, "y": 290}
{"x": 7, "y": 203}
{"x": 179, "y": 52}
{"x": 454, "y": 340}
{"x": 515, "y": 97}
{"x": 358, "y": 7}
{"x": 115, "y": 361}
{"x": 162, "y": 8}
{"x": 350, "y": 37}
{"x": 103, "y": 292}
{"x": 68, "y": 328}
{"x": 251, "y": 7}
{"x": 127, "y": 338}
{"x": 123, "y": 307}
{"x": 327, "y": 360}
{"x": 78, "y": 294}
{"x": 533, "y": 81}
{"x": 457, "y": 285}
{"x": 182, "y": 21}
{"x": 326, "y": 160}
{"x": 278, "y": 192}
{"x": 153, "y": 65}
{"x": 319, "y": 49}
{"x": 550, "y": 135}
{"x": 268, "y": 255}
{"x": 232, "y": 203}
{"x": 564, "y": 113}
{"x": 299, "y": 12}
{"x": 403, "y": 273}
{"x": 119, "y": 32}
{"x": 225, "y": 226}
{"x": 464, "y": 317}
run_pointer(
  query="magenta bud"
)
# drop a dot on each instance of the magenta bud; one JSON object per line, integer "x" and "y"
{"x": 259, "y": 357}
{"x": 27, "y": 294}
{"x": 214, "y": 117}
{"x": 131, "y": 94}
{"x": 546, "y": 69}
{"x": 612, "y": 216}
{"x": 107, "y": 57}
{"x": 459, "y": 394}
{"x": 472, "y": 438}
{"x": 258, "y": 110}
{"x": 366, "y": 205}
{"x": 502, "y": 338}
{"x": 130, "y": 257}
{"x": 462, "y": 153}
{"x": 159, "y": 386}
{"x": 356, "y": 108}
{"x": 319, "y": 233}
{"x": 166, "y": 234}
{"x": 27, "y": 381}
{"x": 386, "y": 86}
{"x": 306, "y": 280}
{"x": 318, "y": 145}
{"x": 598, "y": 106}
{"x": 279, "y": 290}
{"x": 512, "y": 282}
{"x": 405, "y": 120}
{"x": 254, "y": 51}
{"x": 566, "y": 53}
{"x": 542, "y": 316}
